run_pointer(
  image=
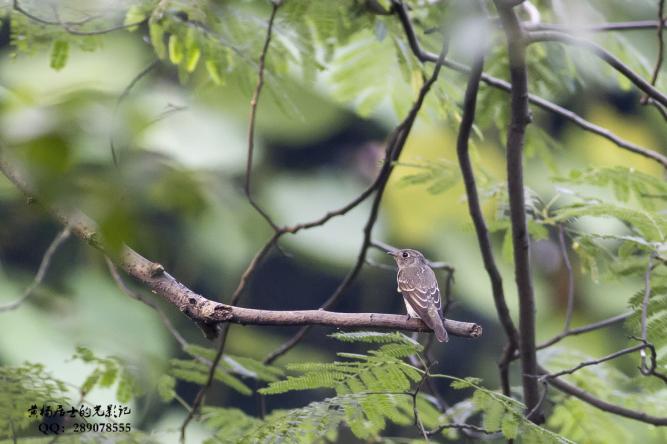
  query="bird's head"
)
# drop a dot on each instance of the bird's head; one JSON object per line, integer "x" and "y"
{"x": 407, "y": 257}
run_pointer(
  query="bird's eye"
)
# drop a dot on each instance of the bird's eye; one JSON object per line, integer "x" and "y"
{"x": 405, "y": 254}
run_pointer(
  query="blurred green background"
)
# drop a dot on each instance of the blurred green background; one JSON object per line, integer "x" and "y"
{"x": 176, "y": 197}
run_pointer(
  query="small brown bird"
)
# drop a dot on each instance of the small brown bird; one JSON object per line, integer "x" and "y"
{"x": 419, "y": 287}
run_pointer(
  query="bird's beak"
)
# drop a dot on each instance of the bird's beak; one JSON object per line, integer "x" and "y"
{"x": 391, "y": 253}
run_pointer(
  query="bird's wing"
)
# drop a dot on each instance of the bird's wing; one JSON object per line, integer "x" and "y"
{"x": 421, "y": 291}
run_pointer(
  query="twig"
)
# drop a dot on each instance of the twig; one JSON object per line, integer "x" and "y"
{"x": 470, "y": 427}
{"x": 253, "y": 115}
{"x": 661, "y": 45}
{"x": 68, "y": 25}
{"x": 41, "y": 271}
{"x": 590, "y": 362}
{"x": 515, "y": 141}
{"x": 584, "y": 329}
{"x": 582, "y": 123}
{"x": 570, "y": 279}
{"x": 651, "y": 370}
{"x": 120, "y": 283}
{"x": 143, "y": 73}
{"x": 583, "y": 395}
{"x": 644, "y": 317}
{"x": 540, "y": 403}
{"x": 394, "y": 148}
{"x": 603, "y": 27}
{"x": 622, "y": 68}
{"x": 475, "y": 210}
{"x": 414, "y": 394}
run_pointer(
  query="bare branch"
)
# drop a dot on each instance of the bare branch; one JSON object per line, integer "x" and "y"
{"x": 610, "y": 59}
{"x": 583, "y": 395}
{"x": 253, "y": 116}
{"x": 143, "y": 73}
{"x": 651, "y": 369}
{"x": 415, "y": 411}
{"x": 395, "y": 146}
{"x": 475, "y": 210}
{"x": 60, "y": 238}
{"x": 251, "y": 316}
{"x": 658, "y": 63}
{"x": 602, "y": 27}
{"x": 644, "y": 319}
{"x": 584, "y": 329}
{"x": 515, "y": 187}
{"x": 582, "y": 123}
{"x": 68, "y": 26}
{"x": 463, "y": 427}
{"x": 590, "y": 362}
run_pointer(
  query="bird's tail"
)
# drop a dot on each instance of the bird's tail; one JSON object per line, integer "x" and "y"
{"x": 438, "y": 325}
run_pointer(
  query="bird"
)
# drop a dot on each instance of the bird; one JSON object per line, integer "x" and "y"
{"x": 419, "y": 287}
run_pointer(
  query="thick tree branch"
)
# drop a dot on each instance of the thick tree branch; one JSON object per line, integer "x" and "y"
{"x": 625, "y": 70}
{"x": 546, "y": 105}
{"x": 474, "y": 207}
{"x": 120, "y": 283}
{"x": 207, "y": 312}
{"x": 515, "y": 187}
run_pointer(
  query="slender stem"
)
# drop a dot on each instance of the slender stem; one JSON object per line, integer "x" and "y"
{"x": 661, "y": 42}
{"x": 60, "y": 238}
{"x": 583, "y": 395}
{"x": 644, "y": 317}
{"x": 584, "y": 329}
{"x": 253, "y": 117}
{"x": 16, "y": 6}
{"x": 603, "y": 27}
{"x": 143, "y": 73}
{"x": 622, "y": 68}
{"x": 590, "y": 362}
{"x": 515, "y": 186}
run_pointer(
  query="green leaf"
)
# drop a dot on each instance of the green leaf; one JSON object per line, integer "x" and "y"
{"x": 59, "y": 53}
{"x": 166, "y": 387}
{"x": 135, "y": 14}
{"x": 510, "y": 426}
{"x": 175, "y": 49}
{"x": 156, "y": 33}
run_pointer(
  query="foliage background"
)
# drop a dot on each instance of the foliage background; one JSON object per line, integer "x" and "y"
{"x": 177, "y": 197}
